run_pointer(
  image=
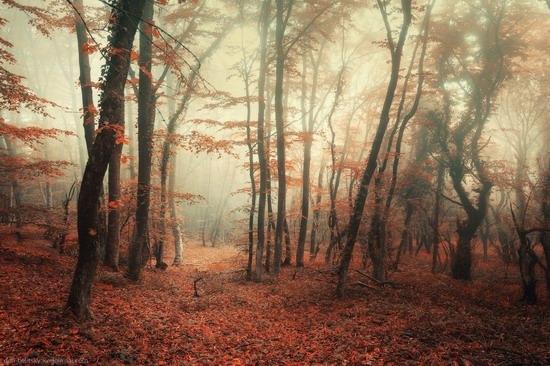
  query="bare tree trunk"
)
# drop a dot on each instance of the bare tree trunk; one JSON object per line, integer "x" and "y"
{"x": 307, "y": 129}
{"x": 131, "y": 145}
{"x": 288, "y": 248}
{"x": 251, "y": 177}
{"x": 545, "y": 208}
{"x": 176, "y": 225}
{"x": 264, "y": 29}
{"x": 85, "y": 77}
{"x": 279, "y": 124}
{"x": 316, "y": 213}
{"x": 139, "y": 247}
{"x": 113, "y": 229}
{"x": 112, "y": 104}
{"x": 270, "y": 215}
{"x": 360, "y": 200}
{"x": 437, "y": 209}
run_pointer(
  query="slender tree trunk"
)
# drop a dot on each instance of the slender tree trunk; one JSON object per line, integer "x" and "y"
{"x": 266, "y": 10}
{"x": 308, "y": 140}
{"x": 113, "y": 229}
{"x": 376, "y": 243}
{"x": 132, "y": 144}
{"x": 279, "y": 124}
{"x": 316, "y": 213}
{"x": 307, "y": 129}
{"x": 85, "y": 77}
{"x": 288, "y": 247}
{"x": 89, "y": 111}
{"x": 545, "y": 208}
{"x": 15, "y": 190}
{"x": 112, "y": 104}
{"x": 437, "y": 209}
{"x": 270, "y": 215}
{"x": 249, "y": 144}
{"x": 361, "y": 198}
{"x": 176, "y": 225}
{"x": 406, "y": 235}
{"x": 139, "y": 247}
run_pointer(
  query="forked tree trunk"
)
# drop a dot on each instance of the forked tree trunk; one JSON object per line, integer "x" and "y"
{"x": 112, "y": 105}
{"x": 361, "y": 198}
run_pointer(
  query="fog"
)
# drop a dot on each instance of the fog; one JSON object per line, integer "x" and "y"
{"x": 346, "y": 42}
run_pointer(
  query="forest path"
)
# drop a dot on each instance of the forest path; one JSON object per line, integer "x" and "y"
{"x": 293, "y": 319}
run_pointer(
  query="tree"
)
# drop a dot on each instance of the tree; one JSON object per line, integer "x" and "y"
{"x": 139, "y": 247}
{"x": 123, "y": 28}
{"x": 264, "y": 29}
{"x": 396, "y": 50}
{"x": 279, "y": 125}
{"x": 474, "y": 75}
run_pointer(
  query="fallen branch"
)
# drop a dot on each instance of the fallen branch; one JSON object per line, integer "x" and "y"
{"x": 362, "y": 284}
{"x": 381, "y": 283}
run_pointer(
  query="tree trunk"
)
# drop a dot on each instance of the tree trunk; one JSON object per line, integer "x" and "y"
{"x": 308, "y": 136}
{"x": 361, "y": 198}
{"x": 461, "y": 265}
{"x": 307, "y": 129}
{"x": 545, "y": 208}
{"x": 376, "y": 242}
{"x": 139, "y": 247}
{"x": 437, "y": 209}
{"x": 264, "y": 29}
{"x": 251, "y": 214}
{"x": 112, "y": 105}
{"x": 279, "y": 124}
{"x": 85, "y": 77}
{"x": 176, "y": 225}
{"x": 316, "y": 214}
{"x": 288, "y": 249}
{"x": 113, "y": 229}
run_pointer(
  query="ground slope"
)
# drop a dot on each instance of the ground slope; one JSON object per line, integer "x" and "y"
{"x": 426, "y": 319}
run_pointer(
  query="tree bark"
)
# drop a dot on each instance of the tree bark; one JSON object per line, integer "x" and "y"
{"x": 266, "y": 10}
{"x": 279, "y": 124}
{"x": 113, "y": 229}
{"x": 112, "y": 104}
{"x": 437, "y": 210}
{"x": 139, "y": 247}
{"x": 85, "y": 76}
{"x": 360, "y": 200}
{"x": 316, "y": 214}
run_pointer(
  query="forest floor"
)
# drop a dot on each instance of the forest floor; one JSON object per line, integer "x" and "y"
{"x": 294, "y": 319}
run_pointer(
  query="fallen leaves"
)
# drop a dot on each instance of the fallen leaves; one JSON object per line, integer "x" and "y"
{"x": 429, "y": 320}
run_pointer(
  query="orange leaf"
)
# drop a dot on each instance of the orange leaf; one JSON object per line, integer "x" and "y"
{"x": 146, "y": 72}
{"x": 134, "y": 56}
{"x": 92, "y": 232}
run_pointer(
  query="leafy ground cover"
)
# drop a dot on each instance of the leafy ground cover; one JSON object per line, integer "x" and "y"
{"x": 294, "y": 319}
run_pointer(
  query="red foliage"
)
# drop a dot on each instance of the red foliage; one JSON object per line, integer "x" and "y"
{"x": 295, "y": 320}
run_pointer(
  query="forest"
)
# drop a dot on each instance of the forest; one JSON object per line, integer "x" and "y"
{"x": 275, "y": 182}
